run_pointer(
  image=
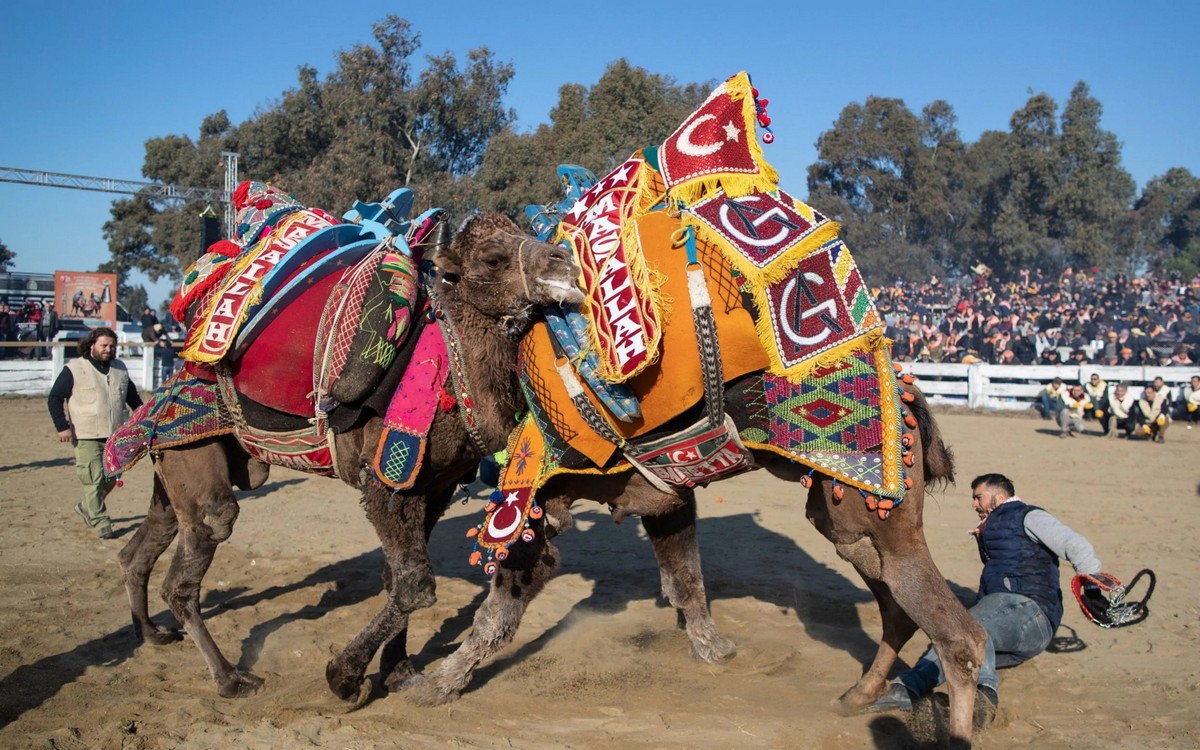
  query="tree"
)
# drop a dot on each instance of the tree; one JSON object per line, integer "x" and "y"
{"x": 1163, "y": 229}
{"x": 1094, "y": 191}
{"x": 597, "y": 128}
{"x": 6, "y": 257}
{"x": 365, "y": 130}
{"x": 872, "y": 168}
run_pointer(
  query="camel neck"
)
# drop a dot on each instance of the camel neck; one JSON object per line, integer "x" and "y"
{"x": 484, "y": 373}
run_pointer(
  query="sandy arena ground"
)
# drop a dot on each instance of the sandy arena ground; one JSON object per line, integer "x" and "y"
{"x": 598, "y": 661}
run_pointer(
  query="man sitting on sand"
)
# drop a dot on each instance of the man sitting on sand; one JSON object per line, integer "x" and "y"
{"x": 1020, "y": 602}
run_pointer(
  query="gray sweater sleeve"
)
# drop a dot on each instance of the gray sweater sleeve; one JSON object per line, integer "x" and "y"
{"x": 1062, "y": 540}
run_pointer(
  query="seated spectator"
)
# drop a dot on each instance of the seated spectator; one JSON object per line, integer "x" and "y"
{"x": 1119, "y": 415}
{"x": 1097, "y": 390}
{"x": 1050, "y": 399}
{"x": 1189, "y": 403}
{"x": 1070, "y": 416}
{"x": 1150, "y": 414}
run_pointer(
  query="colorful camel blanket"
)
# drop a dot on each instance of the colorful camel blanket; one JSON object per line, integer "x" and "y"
{"x": 182, "y": 410}
{"x": 797, "y": 331}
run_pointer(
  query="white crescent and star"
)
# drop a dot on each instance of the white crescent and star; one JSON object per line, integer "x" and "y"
{"x": 688, "y": 147}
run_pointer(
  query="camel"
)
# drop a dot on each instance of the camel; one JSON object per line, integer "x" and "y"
{"x": 891, "y": 556}
{"x": 490, "y": 280}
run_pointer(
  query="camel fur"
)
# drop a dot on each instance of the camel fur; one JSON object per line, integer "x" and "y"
{"x": 890, "y": 555}
{"x": 490, "y": 279}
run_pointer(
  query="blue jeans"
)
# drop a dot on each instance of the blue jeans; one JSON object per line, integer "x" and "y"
{"x": 1017, "y": 631}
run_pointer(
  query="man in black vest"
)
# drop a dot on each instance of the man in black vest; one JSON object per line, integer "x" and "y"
{"x": 1020, "y": 602}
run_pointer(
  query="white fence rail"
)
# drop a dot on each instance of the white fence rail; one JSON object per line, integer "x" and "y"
{"x": 32, "y": 377}
{"x": 984, "y": 386}
{"x": 978, "y": 386}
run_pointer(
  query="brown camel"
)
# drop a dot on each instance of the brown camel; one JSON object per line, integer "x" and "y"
{"x": 490, "y": 279}
{"x": 891, "y": 556}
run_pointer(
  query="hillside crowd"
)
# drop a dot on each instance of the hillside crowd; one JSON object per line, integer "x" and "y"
{"x": 1074, "y": 318}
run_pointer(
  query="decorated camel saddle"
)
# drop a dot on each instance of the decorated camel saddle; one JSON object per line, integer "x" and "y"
{"x": 294, "y": 325}
{"x": 721, "y": 315}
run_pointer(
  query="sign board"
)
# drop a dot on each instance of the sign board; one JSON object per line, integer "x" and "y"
{"x": 87, "y": 296}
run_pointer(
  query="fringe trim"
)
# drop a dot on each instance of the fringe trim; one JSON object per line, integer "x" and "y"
{"x": 736, "y": 185}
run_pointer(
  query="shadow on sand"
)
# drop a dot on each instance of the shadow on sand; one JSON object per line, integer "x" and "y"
{"x": 763, "y": 564}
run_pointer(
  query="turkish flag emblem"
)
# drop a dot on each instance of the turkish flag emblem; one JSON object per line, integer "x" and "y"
{"x": 714, "y": 140}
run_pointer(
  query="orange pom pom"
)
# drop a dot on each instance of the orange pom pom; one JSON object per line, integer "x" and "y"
{"x": 472, "y": 532}
{"x": 475, "y": 557}
{"x": 838, "y": 492}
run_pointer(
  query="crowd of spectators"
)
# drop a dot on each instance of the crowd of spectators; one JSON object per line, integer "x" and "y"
{"x": 1076, "y": 317}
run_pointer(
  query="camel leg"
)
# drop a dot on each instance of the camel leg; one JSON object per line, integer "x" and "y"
{"x": 673, "y": 537}
{"x": 400, "y": 522}
{"x": 894, "y": 553}
{"x": 898, "y": 628}
{"x": 517, "y": 581}
{"x": 137, "y": 559}
{"x": 198, "y": 483}
{"x": 395, "y": 667}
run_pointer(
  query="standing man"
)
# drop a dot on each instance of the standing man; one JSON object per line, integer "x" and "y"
{"x": 49, "y": 328}
{"x": 94, "y": 389}
{"x": 1020, "y": 602}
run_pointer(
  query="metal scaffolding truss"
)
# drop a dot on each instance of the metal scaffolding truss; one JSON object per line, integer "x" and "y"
{"x": 154, "y": 190}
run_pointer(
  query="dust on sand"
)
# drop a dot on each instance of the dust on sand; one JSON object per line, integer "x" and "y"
{"x": 598, "y": 661}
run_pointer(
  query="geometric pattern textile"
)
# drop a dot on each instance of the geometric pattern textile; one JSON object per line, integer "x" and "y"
{"x": 182, "y": 410}
{"x": 844, "y": 419}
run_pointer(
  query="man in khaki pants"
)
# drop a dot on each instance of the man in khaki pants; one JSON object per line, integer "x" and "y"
{"x": 94, "y": 389}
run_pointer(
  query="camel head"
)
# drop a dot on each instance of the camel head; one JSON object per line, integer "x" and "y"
{"x": 505, "y": 274}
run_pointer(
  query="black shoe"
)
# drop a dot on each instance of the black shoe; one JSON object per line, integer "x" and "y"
{"x": 896, "y": 698}
{"x": 106, "y": 532}
{"x": 986, "y": 704}
{"x": 83, "y": 514}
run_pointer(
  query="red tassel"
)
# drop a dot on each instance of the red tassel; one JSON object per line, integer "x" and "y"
{"x": 239, "y": 195}
{"x": 225, "y": 247}
{"x": 446, "y": 402}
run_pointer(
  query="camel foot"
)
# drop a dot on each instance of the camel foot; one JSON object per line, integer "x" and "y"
{"x": 161, "y": 636}
{"x": 426, "y": 692}
{"x": 402, "y": 677}
{"x": 238, "y": 685}
{"x": 713, "y": 649}
{"x": 859, "y": 698}
{"x": 349, "y": 687}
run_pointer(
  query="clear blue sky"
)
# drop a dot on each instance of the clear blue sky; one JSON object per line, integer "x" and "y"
{"x": 85, "y": 85}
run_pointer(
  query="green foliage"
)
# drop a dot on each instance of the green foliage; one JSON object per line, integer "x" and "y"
{"x": 1049, "y": 192}
{"x": 374, "y": 124}
{"x": 6, "y": 257}
{"x": 598, "y": 128}
{"x": 914, "y": 199}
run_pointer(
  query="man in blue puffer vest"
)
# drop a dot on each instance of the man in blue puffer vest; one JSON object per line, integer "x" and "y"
{"x": 1020, "y": 602}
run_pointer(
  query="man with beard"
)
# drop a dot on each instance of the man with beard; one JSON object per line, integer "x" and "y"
{"x": 87, "y": 404}
{"x": 1020, "y": 602}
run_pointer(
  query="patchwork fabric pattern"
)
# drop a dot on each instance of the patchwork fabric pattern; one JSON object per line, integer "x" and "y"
{"x": 843, "y": 419}
{"x": 411, "y": 411}
{"x": 214, "y": 329}
{"x": 621, "y": 299}
{"x": 182, "y": 410}
{"x": 823, "y": 306}
{"x": 763, "y": 228}
{"x": 717, "y": 147}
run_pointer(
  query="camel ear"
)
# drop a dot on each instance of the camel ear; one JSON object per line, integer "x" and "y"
{"x": 445, "y": 254}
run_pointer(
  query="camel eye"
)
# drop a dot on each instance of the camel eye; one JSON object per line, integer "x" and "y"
{"x": 494, "y": 262}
